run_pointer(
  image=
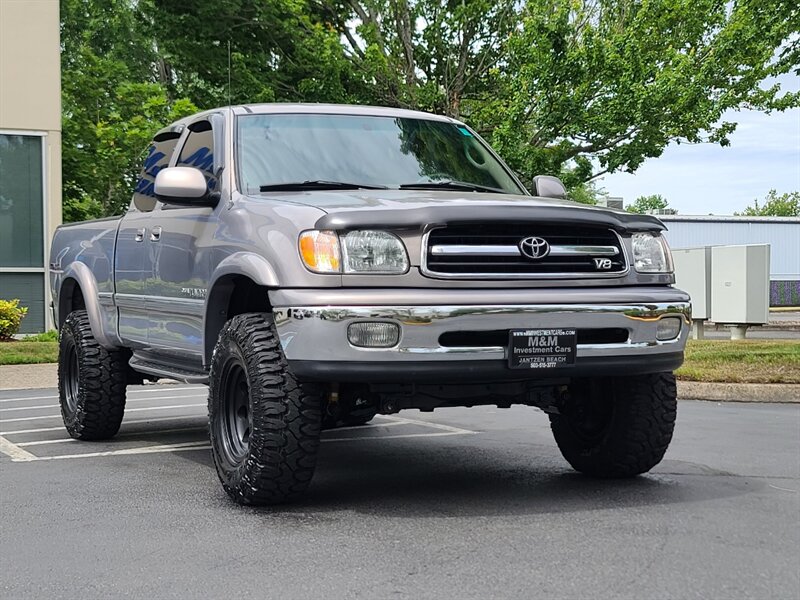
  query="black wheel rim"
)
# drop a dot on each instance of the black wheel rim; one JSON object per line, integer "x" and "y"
{"x": 71, "y": 383}
{"x": 235, "y": 421}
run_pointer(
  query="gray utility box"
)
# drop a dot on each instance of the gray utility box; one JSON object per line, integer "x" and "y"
{"x": 693, "y": 275}
{"x": 740, "y": 284}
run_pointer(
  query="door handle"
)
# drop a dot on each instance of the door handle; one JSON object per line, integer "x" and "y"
{"x": 155, "y": 235}
{"x": 140, "y": 234}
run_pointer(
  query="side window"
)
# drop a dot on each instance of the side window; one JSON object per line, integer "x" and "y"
{"x": 198, "y": 152}
{"x": 156, "y": 158}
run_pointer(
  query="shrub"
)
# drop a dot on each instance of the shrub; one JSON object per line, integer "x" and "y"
{"x": 11, "y": 314}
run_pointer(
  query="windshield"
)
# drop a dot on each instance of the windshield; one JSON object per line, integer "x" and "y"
{"x": 363, "y": 150}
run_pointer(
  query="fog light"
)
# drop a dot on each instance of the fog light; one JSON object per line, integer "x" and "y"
{"x": 373, "y": 334}
{"x": 668, "y": 328}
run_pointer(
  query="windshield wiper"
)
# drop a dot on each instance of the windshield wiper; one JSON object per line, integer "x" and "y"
{"x": 318, "y": 184}
{"x": 451, "y": 185}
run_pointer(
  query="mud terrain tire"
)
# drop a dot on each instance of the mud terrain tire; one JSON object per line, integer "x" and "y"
{"x": 617, "y": 428}
{"x": 264, "y": 423}
{"x": 91, "y": 381}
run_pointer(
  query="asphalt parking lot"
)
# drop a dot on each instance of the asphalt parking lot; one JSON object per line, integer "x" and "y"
{"x": 460, "y": 503}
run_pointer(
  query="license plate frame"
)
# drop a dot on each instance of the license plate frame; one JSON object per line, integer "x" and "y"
{"x": 548, "y": 348}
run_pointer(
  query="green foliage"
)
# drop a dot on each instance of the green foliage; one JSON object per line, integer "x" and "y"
{"x": 111, "y": 105}
{"x": 601, "y": 86}
{"x": 282, "y": 50}
{"x": 644, "y": 204}
{"x": 11, "y": 315}
{"x": 785, "y": 205}
{"x": 586, "y": 193}
{"x": 47, "y": 336}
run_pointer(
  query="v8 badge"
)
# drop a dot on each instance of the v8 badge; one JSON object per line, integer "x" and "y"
{"x": 602, "y": 264}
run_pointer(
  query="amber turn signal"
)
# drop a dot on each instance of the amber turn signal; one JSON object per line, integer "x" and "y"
{"x": 320, "y": 251}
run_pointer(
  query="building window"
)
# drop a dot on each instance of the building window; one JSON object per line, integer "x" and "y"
{"x": 22, "y": 225}
{"x": 21, "y": 201}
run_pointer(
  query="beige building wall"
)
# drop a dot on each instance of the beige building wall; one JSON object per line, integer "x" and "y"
{"x": 30, "y": 92}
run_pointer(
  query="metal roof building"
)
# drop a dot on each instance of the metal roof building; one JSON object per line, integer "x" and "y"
{"x": 781, "y": 233}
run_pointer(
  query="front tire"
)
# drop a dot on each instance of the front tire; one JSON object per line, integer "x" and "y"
{"x": 264, "y": 423}
{"x": 617, "y": 428}
{"x": 91, "y": 381}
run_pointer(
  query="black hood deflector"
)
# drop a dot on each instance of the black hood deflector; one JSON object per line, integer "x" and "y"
{"x": 438, "y": 216}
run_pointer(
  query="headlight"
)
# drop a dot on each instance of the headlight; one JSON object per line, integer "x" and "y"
{"x": 651, "y": 253}
{"x": 373, "y": 252}
{"x": 361, "y": 251}
{"x": 320, "y": 251}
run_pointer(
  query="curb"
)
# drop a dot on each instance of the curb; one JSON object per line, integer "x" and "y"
{"x": 21, "y": 377}
{"x": 28, "y": 377}
{"x": 739, "y": 392}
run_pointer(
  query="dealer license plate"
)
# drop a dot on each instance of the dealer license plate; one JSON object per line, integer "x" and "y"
{"x": 541, "y": 348}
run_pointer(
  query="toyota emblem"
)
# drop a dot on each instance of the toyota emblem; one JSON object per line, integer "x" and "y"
{"x": 534, "y": 247}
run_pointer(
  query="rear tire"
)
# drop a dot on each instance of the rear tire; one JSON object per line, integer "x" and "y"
{"x": 617, "y": 428}
{"x": 91, "y": 381}
{"x": 264, "y": 423}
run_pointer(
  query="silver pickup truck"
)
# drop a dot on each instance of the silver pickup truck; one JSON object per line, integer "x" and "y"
{"x": 317, "y": 265}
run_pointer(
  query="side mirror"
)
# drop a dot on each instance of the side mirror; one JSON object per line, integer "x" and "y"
{"x": 547, "y": 186}
{"x": 183, "y": 185}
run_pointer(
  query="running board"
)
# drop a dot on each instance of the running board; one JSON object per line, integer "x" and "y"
{"x": 183, "y": 375}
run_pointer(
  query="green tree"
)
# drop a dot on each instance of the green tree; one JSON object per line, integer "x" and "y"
{"x": 785, "y": 205}
{"x": 586, "y": 193}
{"x": 644, "y": 204}
{"x": 111, "y": 105}
{"x": 576, "y": 87}
{"x": 280, "y": 50}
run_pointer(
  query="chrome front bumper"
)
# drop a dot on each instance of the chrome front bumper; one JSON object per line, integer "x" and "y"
{"x": 318, "y": 334}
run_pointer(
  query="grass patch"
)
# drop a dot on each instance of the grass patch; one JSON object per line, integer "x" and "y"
{"x": 742, "y": 361}
{"x": 48, "y": 336}
{"x": 28, "y": 353}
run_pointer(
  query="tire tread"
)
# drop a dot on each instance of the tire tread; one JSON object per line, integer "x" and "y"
{"x": 641, "y": 431}
{"x": 102, "y": 383}
{"x": 286, "y": 417}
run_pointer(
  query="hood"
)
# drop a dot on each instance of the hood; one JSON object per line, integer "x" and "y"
{"x": 418, "y": 209}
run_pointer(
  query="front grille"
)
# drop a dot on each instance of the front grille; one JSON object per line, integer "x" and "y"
{"x": 493, "y": 251}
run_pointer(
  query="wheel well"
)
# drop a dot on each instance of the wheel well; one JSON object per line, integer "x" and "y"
{"x": 69, "y": 299}
{"x": 231, "y": 295}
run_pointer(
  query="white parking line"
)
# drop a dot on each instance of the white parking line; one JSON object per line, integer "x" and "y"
{"x": 128, "y": 400}
{"x": 392, "y": 423}
{"x": 133, "y": 422}
{"x": 400, "y": 436}
{"x": 116, "y": 437}
{"x": 127, "y": 451}
{"x": 177, "y": 429}
{"x": 129, "y": 410}
{"x": 15, "y": 452}
{"x": 449, "y": 428}
{"x": 18, "y": 454}
{"x": 159, "y": 390}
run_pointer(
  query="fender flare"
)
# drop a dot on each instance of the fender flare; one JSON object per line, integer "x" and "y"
{"x": 248, "y": 264}
{"x": 244, "y": 264}
{"x": 84, "y": 277}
